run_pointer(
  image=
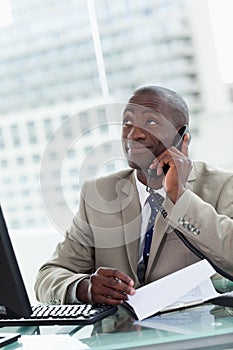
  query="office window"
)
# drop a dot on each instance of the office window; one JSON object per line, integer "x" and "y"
{"x": 7, "y": 180}
{"x": 84, "y": 121}
{"x": 75, "y": 187}
{"x": 36, "y": 158}
{"x": 31, "y": 222}
{"x": 28, "y": 207}
{"x": 107, "y": 148}
{"x": 26, "y": 193}
{"x": 56, "y": 173}
{"x": 71, "y": 154}
{"x": 15, "y": 135}
{"x": 104, "y": 129}
{"x": 20, "y": 161}
{"x": 48, "y": 127}
{"x": 4, "y": 163}
{"x": 53, "y": 156}
{"x": 1, "y": 139}
{"x": 32, "y": 136}
{"x": 67, "y": 131}
{"x": 15, "y": 223}
{"x": 88, "y": 149}
{"x": 74, "y": 172}
{"x": 92, "y": 170}
{"x": 110, "y": 167}
{"x": 54, "y": 65}
{"x": 23, "y": 178}
{"x": 66, "y": 127}
{"x": 102, "y": 119}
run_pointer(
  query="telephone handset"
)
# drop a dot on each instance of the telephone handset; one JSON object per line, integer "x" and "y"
{"x": 176, "y": 143}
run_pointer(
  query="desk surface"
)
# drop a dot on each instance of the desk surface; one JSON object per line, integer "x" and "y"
{"x": 202, "y": 327}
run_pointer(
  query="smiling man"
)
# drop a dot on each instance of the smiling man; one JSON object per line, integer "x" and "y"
{"x": 150, "y": 127}
{"x": 101, "y": 257}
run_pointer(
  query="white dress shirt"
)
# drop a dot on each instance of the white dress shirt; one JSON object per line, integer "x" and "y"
{"x": 145, "y": 212}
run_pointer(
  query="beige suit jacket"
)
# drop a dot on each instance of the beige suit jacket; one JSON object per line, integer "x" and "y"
{"x": 106, "y": 231}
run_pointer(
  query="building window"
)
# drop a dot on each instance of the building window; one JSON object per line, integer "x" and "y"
{"x": 1, "y": 139}
{"x": 4, "y": 163}
{"x": 32, "y": 132}
{"x": 66, "y": 127}
{"x": 15, "y": 135}
{"x": 48, "y": 127}
{"x": 36, "y": 158}
{"x": 20, "y": 161}
{"x": 84, "y": 122}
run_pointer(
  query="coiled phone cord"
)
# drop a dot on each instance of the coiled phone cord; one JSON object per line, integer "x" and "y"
{"x": 201, "y": 255}
{"x": 188, "y": 244}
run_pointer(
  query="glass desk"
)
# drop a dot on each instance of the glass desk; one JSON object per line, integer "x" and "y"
{"x": 201, "y": 327}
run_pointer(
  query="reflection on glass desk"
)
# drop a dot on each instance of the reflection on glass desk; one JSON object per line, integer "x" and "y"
{"x": 201, "y": 327}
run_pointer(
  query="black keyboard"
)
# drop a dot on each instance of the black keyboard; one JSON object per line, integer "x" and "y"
{"x": 80, "y": 314}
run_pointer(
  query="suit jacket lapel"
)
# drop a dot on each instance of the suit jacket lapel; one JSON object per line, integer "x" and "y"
{"x": 131, "y": 219}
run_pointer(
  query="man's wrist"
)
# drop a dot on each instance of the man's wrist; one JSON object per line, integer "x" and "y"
{"x": 82, "y": 291}
{"x": 175, "y": 194}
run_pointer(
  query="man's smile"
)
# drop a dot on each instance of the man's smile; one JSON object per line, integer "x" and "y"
{"x": 137, "y": 148}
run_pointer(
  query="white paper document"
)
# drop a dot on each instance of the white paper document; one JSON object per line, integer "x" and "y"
{"x": 189, "y": 285}
{"x": 189, "y": 321}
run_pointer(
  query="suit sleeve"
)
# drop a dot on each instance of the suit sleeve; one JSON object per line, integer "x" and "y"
{"x": 72, "y": 260}
{"x": 209, "y": 228}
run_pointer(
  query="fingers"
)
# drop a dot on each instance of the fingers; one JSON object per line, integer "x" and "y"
{"x": 110, "y": 286}
{"x": 118, "y": 275}
{"x": 171, "y": 152}
{"x": 170, "y": 156}
{"x": 178, "y": 167}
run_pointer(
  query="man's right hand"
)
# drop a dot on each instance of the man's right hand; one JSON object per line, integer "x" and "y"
{"x": 106, "y": 286}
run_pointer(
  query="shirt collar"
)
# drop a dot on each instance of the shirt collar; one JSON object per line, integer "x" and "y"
{"x": 142, "y": 192}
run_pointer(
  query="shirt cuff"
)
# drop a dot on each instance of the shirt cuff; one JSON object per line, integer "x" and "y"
{"x": 71, "y": 292}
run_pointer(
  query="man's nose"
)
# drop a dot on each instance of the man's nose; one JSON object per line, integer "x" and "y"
{"x": 136, "y": 133}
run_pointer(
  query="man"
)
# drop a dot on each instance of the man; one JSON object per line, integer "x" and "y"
{"x": 99, "y": 260}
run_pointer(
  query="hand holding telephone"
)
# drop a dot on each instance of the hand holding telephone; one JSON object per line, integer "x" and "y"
{"x": 227, "y": 298}
{"x": 177, "y": 143}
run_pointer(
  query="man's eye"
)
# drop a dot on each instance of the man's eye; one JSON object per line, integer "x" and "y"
{"x": 152, "y": 122}
{"x": 127, "y": 121}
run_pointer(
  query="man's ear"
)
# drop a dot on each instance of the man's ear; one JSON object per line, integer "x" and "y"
{"x": 185, "y": 144}
{"x": 189, "y": 137}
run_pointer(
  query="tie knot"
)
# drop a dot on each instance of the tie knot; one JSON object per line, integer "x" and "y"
{"x": 155, "y": 200}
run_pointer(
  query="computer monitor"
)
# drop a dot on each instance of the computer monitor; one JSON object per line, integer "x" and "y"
{"x": 14, "y": 301}
{"x": 15, "y": 308}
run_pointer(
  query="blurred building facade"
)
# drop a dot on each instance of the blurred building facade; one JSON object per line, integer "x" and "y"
{"x": 50, "y": 69}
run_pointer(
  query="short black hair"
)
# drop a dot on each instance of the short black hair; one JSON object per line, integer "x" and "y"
{"x": 174, "y": 102}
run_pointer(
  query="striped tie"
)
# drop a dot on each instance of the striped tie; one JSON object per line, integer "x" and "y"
{"x": 155, "y": 201}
